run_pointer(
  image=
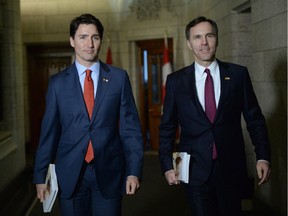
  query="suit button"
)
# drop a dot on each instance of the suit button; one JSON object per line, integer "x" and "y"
{"x": 210, "y": 146}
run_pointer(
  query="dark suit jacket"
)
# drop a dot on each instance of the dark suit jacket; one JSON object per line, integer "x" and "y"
{"x": 181, "y": 105}
{"x": 114, "y": 130}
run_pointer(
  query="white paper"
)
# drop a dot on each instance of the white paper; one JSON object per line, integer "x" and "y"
{"x": 51, "y": 189}
{"x": 181, "y": 162}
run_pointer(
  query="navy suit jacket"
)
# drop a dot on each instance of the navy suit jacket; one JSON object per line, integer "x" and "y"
{"x": 114, "y": 129}
{"x": 181, "y": 106}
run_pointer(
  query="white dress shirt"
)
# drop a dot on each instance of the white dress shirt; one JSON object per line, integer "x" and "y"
{"x": 200, "y": 77}
{"x": 94, "y": 75}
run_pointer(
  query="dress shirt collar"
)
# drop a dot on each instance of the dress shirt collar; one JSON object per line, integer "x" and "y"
{"x": 199, "y": 69}
{"x": 81, "y": 69}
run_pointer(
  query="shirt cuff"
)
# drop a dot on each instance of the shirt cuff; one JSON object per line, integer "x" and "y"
{"x": 263, "y": 161}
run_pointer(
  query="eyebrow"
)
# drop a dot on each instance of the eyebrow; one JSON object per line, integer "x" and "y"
{"x": 81, "y": 35}
{"x": 209, "y": 33}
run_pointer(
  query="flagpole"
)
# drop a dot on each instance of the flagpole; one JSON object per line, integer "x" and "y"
{"x": 165, "y": 39}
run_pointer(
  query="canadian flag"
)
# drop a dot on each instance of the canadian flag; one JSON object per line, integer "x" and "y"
{"x": 166, "y": 67}
{"x": 109, "y": 56}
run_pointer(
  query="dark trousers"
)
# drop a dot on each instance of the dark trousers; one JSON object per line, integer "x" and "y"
{"x": 87, "y": 199}
{"x": 214, "y": 198}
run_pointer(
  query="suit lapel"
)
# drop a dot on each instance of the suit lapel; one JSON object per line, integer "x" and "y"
{"x": 75, "y": 86}
{"x": 190, "y": 85}
{"x": 103, "y": 83}
{"x": 225, "y": 86}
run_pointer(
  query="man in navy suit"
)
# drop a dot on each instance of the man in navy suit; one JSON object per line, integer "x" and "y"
{"x": 91, "y": 187}
{"x": 218, "y": 171}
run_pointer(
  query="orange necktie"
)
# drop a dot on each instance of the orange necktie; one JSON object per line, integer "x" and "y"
{"x": 89, "y": 100}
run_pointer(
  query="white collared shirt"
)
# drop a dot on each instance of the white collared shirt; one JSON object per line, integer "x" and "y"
{"x": 94, "y": 75}
{"x": 200, "y": 77}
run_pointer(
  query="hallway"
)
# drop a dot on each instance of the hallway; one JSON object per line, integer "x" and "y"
{"x": 154, "y": 198}
{"x": 252, "y": 33}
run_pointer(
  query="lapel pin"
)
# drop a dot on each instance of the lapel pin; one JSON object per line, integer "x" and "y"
{"x": 105, "y": 80}
{"x": 227, "y": 78}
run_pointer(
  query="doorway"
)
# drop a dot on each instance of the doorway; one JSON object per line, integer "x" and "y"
{"x": 150, "y": 62}
{"x": 43, "y": 61}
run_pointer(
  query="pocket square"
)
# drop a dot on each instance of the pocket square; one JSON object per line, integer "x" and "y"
{"x": 227, "y": 78}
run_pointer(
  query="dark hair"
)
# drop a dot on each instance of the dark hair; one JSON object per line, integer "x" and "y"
{"x": 198, "y": 20}
{"x": 86, "y": 19}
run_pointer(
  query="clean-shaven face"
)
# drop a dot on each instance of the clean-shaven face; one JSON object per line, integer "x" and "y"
{"x": 203, "y": 43}
{"x": 86, "y": 43}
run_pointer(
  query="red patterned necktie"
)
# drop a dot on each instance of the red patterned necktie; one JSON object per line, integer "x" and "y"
{"x": 89, "y": 100}
{"x": 210, "y": 104}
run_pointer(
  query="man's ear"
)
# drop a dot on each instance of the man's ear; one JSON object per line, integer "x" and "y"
{"x": 189, "y": 45}
{"x": 72, "y": 42}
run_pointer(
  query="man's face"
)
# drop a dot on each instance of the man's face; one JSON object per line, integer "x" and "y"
{"x": 203, "y": 43}
{"x": 86, "y": 43}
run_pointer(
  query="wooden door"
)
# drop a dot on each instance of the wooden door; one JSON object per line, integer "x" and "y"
{"x": 43, "y": 61}
{"x": 151, "y": 61}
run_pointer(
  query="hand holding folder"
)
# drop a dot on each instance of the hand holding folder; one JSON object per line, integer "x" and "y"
{"x": 181, "y": 162}
{"x": 51, "y": 189}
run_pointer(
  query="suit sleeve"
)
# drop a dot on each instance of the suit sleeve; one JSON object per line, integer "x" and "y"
{"x": 49, "y": 137}
{"x": 130, "y": 131}
{"x": 255, "y": 121}
{"x": 167, "y": 128}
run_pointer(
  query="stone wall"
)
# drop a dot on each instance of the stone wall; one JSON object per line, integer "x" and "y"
{"x": 12, "y": 140}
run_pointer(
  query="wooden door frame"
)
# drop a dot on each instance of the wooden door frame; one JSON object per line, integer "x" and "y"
{"x": 154, "y": 46}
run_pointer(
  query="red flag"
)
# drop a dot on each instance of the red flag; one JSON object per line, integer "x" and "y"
{"x": 166, "y": 67}
{"x": 166, "y": 70}
{"x": 109, "y": 56}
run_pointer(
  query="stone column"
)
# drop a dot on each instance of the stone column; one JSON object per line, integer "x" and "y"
{"x": 12, "y": 143}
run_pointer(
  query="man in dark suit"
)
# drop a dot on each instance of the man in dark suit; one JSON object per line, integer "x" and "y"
{"x": 214, "y": 139}
{"x": 72, "y": 127}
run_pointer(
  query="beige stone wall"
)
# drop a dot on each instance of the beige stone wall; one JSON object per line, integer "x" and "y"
{"x": 270, "y": 83}
{"x": 257, "y": 39}
{"x": 12, "y": 142}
